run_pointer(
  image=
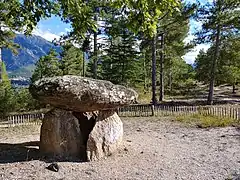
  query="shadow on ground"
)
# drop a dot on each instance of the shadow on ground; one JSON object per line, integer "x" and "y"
{"x": 28, "y": 151}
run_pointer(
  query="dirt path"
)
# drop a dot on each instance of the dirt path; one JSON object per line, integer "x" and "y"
{"x": 152, "y": 149}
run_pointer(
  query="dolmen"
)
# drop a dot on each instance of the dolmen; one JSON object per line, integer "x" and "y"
{"x": 83, "y": 122}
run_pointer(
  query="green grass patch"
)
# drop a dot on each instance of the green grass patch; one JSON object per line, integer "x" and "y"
{"x": 144, "y": 97}
{"x": 207, "y": 121}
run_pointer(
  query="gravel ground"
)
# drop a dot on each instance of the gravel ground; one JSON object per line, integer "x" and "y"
{"x": 152, "y": 149}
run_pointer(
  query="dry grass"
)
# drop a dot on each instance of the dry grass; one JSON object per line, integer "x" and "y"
{"x": 20, "y": 130}
{"x": 207, "y": 121}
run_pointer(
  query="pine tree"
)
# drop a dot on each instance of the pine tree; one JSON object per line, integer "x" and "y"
{"x": 121, "y": 64}
{"x": 174, "y": 25}
{"x": 121, "y": 61}
{"x": 202, "y": 65}
{"x": 220, "y": 19}
{"x": 7, "y": 100}
{"x": 228, "y": 66}
{"x": 72, "y": 60}
{"x": 230, "y": 61}
{"x": 47, "y": 66}
{"x": 174, "y": 28}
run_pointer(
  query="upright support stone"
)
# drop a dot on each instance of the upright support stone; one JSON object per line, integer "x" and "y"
{"x": 61, "y": 135}
{"x": 106, "y": 135}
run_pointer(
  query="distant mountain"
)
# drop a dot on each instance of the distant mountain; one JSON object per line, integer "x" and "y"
{"x": 32, "y": 48}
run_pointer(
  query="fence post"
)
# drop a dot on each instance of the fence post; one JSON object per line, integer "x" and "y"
{"x": 152, "y": 108}
{"x": 238, "y": 114}
{"x": 9, "y": 121}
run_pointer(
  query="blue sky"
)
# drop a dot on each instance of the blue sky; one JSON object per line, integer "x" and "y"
{"x": 53, "y": 28}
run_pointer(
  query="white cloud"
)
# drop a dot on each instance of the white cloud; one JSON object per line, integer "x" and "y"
{"x": 61, "y": 33}
{"x": 45, "y": 34}
{"x": 189, "y": 38}
{"x": 190, "y": 57}
{"x": 67, "y": 30}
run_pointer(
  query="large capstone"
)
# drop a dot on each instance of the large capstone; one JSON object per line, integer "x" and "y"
{"x": 80, "y": 94}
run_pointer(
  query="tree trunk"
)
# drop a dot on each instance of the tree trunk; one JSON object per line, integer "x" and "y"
{"x": 161, "y": 98}
{"x": 83, "y": 65}
{"x": 145, "y": 73}
{"x": 0, "y": 64}
{"x": 154, "y": 100}
{"x": 95, "y": 52}
{"x": 234, "y": 89}
{"x": 214, "y": 67}
{"x": 170, "y": 81}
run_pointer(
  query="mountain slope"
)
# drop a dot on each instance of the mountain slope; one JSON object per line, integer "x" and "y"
{"x": 31, "y": 49}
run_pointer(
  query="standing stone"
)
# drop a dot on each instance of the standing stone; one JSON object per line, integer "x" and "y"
{"x": 106, "y": 135}
{"x": 61, "y": 135}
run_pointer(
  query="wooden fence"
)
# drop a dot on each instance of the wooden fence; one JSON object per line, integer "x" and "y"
{"x": 21, "y": 119}
{"x": 138, "y": 110}
{"x": 145, "y": 110}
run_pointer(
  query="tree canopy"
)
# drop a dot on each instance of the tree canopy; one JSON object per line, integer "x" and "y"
{"x": 142, "y": 44}
{"x": 220, "y": 20}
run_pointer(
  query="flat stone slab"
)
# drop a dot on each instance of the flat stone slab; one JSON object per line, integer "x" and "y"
{"x": 81, "y": 94}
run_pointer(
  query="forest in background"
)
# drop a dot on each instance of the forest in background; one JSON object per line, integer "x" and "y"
{"x": 140, "y": 48}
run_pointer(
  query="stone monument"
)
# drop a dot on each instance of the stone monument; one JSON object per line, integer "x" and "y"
{"x": 83, "y": 122}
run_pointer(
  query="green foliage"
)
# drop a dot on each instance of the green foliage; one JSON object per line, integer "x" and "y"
{"x": 121, "y": 64}
{"x": 176, "y": 72}
{"x": 229, "y": 61}
{"x": 142, "y": 15}
{"x": 232, "y": 74}
{"x": 220, "y": 20}
{"x": 72, "y": 60}
{"x": 90, "y": 67}
{"x": 4, "y": 75}
{"x": 47, "y": 66}
{"x": 182, "y": 77}
{"x": 118, "y": 59}
{"x": 228, "y": 67}
{"x": 9, "y": 12}
{"x": 223, "y": 14}
{"x": 25, "y": 101}
{"x": 203, "y": 65}
{"x": 14, "y": 100}
{"x": 7, "y": 99}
